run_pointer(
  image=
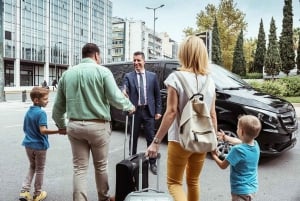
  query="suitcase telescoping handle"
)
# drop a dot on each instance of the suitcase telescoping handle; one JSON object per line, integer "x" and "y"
{"x": 126, "y": 133}
{"x": 141, "y": 155}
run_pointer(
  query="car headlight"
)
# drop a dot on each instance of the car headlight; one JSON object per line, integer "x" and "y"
{"x": 266, "y": 117}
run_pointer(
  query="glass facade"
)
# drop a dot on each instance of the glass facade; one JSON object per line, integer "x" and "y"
{"x": 42, "y": 38}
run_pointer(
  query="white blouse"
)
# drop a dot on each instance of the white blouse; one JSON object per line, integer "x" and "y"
{"x": 173, "y": 81}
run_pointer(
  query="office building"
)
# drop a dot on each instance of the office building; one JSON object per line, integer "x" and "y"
{"x": 42, "y": 38}
{"x": 129, "y": 36}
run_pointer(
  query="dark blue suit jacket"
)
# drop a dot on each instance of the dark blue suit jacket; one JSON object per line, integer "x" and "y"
{"x": 152, "y": 90}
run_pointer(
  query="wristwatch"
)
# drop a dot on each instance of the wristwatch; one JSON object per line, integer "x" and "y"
{"x": 156, "y": 140}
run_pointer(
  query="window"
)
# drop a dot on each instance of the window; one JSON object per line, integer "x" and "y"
{"x": 7, "y": 35}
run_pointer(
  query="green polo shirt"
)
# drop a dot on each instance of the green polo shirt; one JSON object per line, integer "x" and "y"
{"x": 86, "y": 91}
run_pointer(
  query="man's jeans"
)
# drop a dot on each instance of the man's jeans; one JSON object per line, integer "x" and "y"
{"x": 86, "y": 137}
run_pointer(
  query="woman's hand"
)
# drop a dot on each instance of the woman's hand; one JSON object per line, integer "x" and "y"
{"x": 152, "y": 150}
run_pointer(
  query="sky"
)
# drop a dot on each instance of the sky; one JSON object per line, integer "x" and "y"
{"x": 177, "y": 15}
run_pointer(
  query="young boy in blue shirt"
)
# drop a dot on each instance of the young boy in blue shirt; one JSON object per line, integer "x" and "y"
{"x": 36, "y": 144}
{"x": 243, "y": 159}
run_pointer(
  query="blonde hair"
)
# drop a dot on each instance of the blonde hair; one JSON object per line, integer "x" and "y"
{"x": 193, "y": 55}
{"x": 38, "y": 92}
{"x": 250, "y": 124}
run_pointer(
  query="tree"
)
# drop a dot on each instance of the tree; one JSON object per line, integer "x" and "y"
{"x": 296, "y": 33}
{"x": 272, "y": 58}
{"x": 287, "y": 53}
{"x": 239, "y": 63}
{"x": 249, "y": 52}
{"x": 298, "y": 56}
{"x": 260, "y": 52}
{"x": 230, "y": 21}
{"x": 216, "y": 48}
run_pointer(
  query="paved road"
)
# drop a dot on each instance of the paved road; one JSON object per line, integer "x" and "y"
{"x": 278, "y": 176}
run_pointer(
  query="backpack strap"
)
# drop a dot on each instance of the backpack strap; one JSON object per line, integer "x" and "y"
{"x": 186, "y": 87}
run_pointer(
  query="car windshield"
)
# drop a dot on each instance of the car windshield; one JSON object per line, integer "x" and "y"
{"x": 225, "y": 79}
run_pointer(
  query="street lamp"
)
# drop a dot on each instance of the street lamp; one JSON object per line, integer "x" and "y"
{"x": 55, "y": 61}
{"x": 154, "y": 19}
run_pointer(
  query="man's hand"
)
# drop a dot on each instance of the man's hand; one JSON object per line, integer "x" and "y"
{"x": 132, "y": 110}
{"x": 157, "y": 116}
{"x": 125, "y": 93}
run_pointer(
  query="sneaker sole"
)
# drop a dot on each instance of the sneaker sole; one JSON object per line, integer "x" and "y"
{"x": 43, "y": 199}
{"x": 24, "y": 199}
{"x": 40, "y": 200}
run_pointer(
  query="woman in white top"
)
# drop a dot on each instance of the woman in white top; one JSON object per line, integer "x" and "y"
{"x": 194, "y": 60}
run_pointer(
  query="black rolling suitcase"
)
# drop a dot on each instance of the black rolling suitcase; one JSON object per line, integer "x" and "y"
{"x": 149, "y": 194}
{"x": 127, "y": 171}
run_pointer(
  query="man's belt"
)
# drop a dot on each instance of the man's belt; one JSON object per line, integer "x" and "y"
{"x": 90, "y": 120}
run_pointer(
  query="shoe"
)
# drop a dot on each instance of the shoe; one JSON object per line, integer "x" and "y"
{"x": 40, "y": 197}
{"x": 153, "y": 168}
{"x": 25, "y": 196}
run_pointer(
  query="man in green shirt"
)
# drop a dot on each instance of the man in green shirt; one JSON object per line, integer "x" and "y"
{"x": 85, "y": 93}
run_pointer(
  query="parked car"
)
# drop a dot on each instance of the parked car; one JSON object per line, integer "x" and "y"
{"x": 234, "y": 97}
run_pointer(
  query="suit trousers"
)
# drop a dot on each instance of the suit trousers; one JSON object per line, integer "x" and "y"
{"x": 142, "y": 117}
{"x": 89, "y": 137}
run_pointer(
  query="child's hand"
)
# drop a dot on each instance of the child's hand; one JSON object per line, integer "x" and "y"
{"x": 62, "y": 131}
{"x": 220, "y": 135}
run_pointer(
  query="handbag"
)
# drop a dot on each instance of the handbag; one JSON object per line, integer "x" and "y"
{"x": 196, "y": 131}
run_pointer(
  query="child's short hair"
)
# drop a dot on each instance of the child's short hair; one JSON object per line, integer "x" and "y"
{"x": 38, "y": 92}
{"x": 250, "y": 124}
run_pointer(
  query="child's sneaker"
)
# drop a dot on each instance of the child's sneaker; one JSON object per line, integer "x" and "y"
{"x": 40, "y": 197}
{"x": 25, "y": 196}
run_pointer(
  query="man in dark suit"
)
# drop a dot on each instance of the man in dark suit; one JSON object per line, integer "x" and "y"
{"x": 143, "y": 90}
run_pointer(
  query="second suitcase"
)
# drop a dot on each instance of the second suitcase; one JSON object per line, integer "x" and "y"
{"x": 149, "y": 194}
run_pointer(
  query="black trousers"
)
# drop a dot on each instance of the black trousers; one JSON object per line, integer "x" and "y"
{"x": 142, "y": 118}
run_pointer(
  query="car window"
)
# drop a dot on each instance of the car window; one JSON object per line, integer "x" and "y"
{"x": 155, "y": 67}
{"x": 225, "y": 79}
{"x": 119, "y": 71}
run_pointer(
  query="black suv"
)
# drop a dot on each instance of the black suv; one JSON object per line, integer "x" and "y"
{"x": 235, "y": 97}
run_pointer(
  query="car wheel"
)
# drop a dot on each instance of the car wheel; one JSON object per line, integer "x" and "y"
{"x": 224, "y": 147}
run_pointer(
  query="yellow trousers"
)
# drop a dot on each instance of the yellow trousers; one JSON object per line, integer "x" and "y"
{"x": 180, "y": 160}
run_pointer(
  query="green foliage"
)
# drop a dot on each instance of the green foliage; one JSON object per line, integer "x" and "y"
{"x": 272, "y": 58}
{"x": 253, "y": 76}
{"x": 216, "y": 49}
{"x": 287, "y": 53}
{"x": 270, "y": 87}
{"x": 298, "y": 55}
{"x": 239, "y": 63}
{"x": 284, "y": 87}
{"x": 293, "y": 85}
{"x": 230, "y": 21}
{"x": 260, "y": 50}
